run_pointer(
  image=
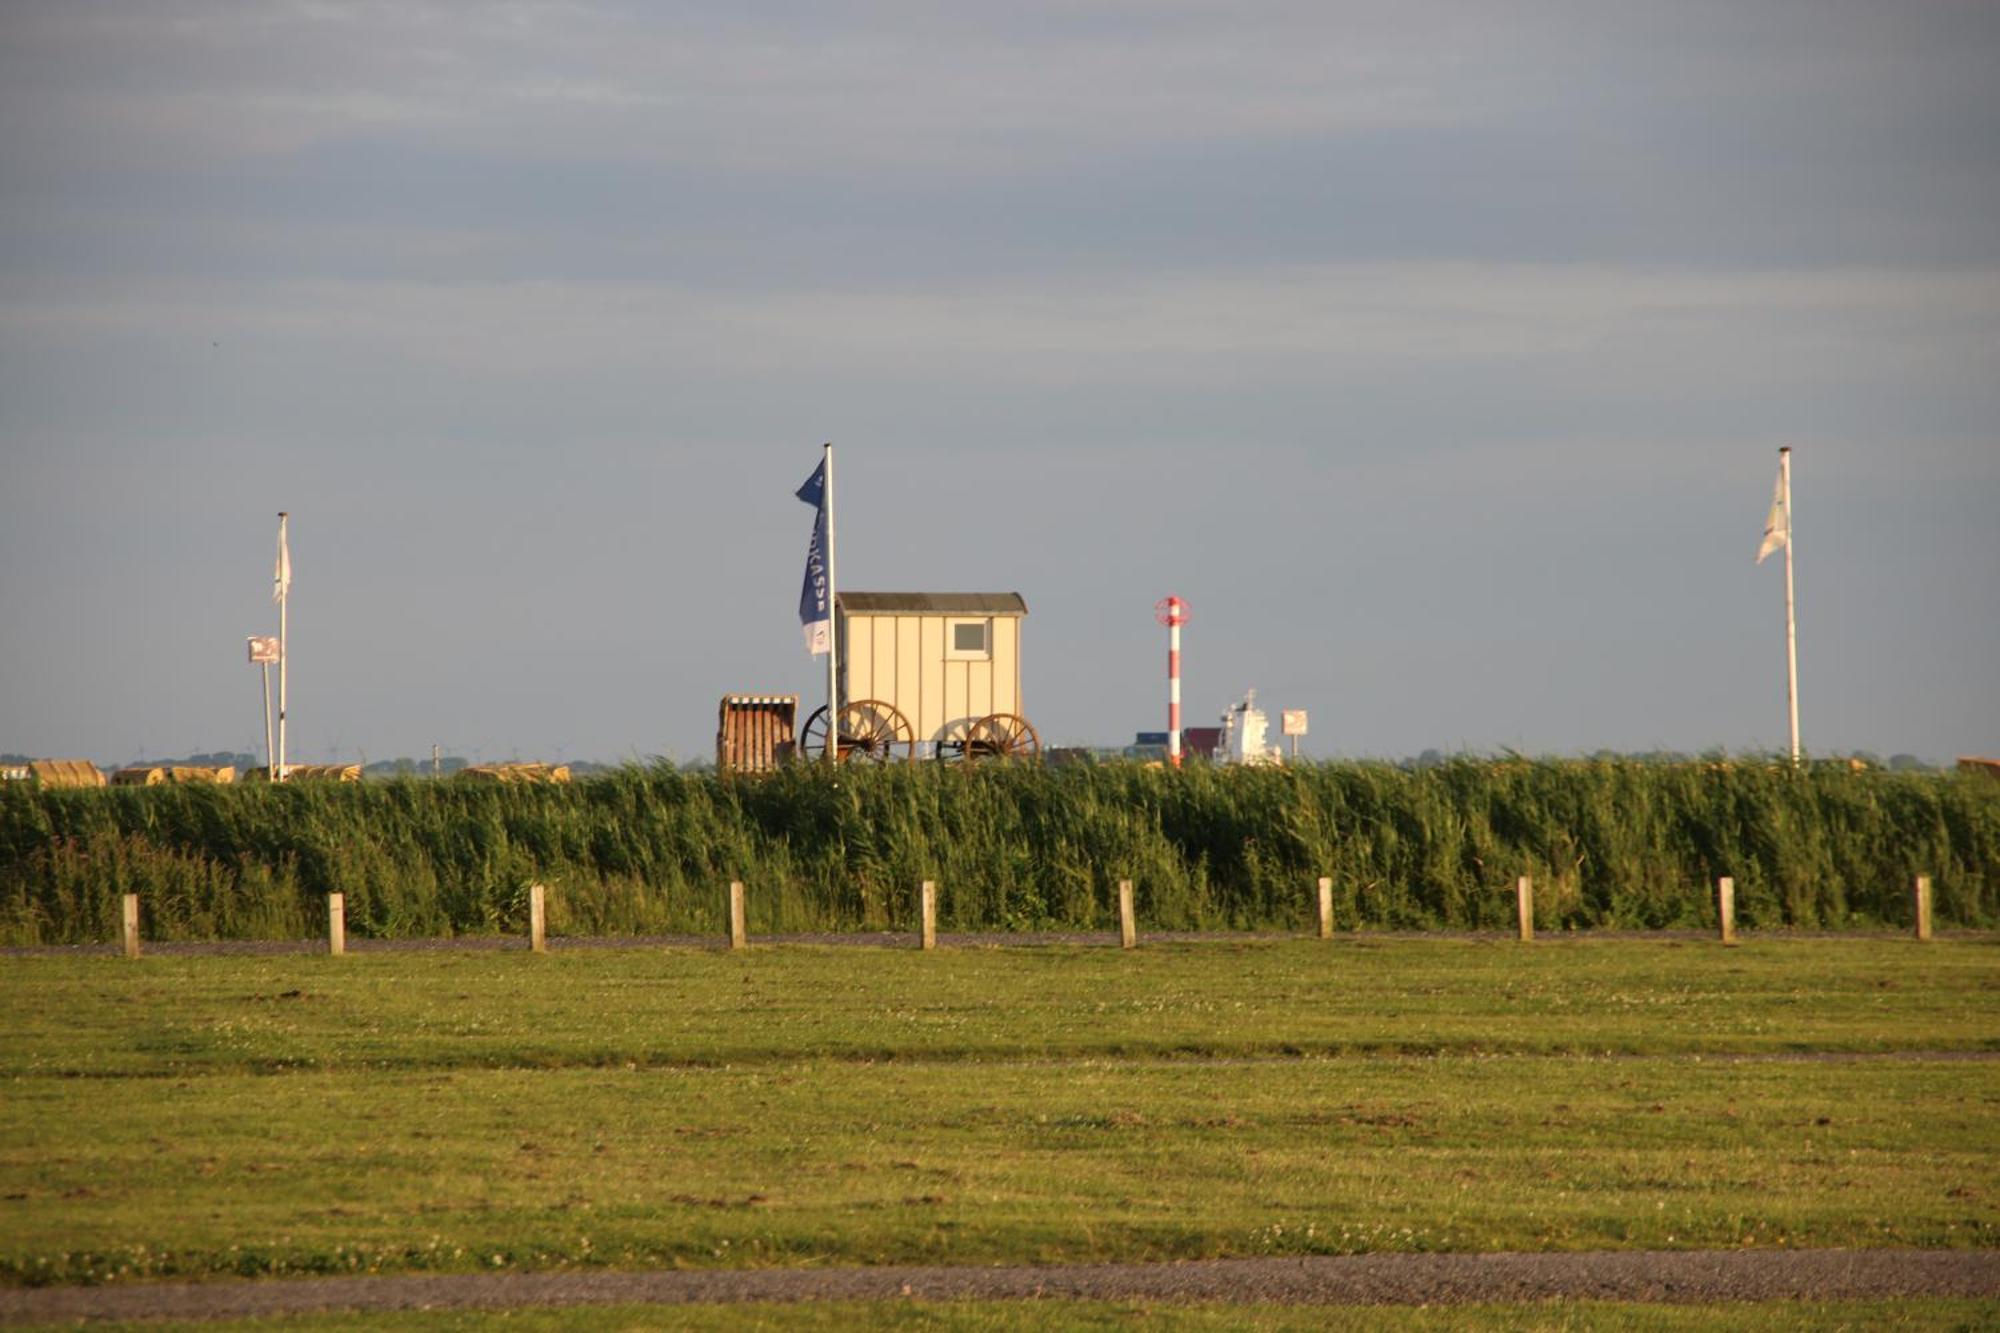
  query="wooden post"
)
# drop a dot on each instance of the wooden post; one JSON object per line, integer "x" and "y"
{"x": 1725, "y": 908}
{"x": 1524, "y": 899}
{"x": 1325, "y": 899}
{"x": 336, "y": 924}
{"x": 929, "y": 896}
{"x": 1923, "y": 895}
{"x": 538, "y": 919}
{"x": 129, "y": 925}
{"x": 1128, "y": 929}
{"x": 738, "y": 936}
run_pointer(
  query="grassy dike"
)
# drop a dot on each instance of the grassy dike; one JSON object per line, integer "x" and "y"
{"x": 645, "y": 850}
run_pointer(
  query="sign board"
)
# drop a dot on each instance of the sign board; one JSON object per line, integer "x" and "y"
{"x": 263, "y": 650}
{"x": 1292, "y": 722}
{"x": 1150, "y": 738}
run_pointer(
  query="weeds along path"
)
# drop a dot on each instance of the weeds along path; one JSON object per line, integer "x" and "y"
{"x": 1673, "y": 1276}
{"x": 883, "y": 939}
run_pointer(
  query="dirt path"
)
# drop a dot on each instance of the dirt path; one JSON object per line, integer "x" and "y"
{"x": 1677, "y": 1276}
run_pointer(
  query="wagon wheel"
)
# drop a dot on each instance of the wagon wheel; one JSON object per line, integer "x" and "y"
{"x": 1002, "y": 736}
{"x": 949, "y": 747}
{"x": 870, "y": 730}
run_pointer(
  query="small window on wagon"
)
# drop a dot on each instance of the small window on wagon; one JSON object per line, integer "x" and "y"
{"x": 969, "y": 640}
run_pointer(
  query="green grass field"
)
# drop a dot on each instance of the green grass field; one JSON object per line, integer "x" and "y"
{"x": 216, "y": 1116}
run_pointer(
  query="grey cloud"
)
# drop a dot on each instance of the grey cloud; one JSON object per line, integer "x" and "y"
{"x": 580, "y": 143}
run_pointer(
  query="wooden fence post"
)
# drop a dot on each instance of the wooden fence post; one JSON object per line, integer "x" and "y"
{"x": 1524, "y": 900}
{"x": 336, "y": 924}
{"x": 1725, "y": 908}
{"x": 538, "y": 919}
{"x": 1923, "y": 895}
{"x": 129, "y": 924}
{"x": 738, "y": 935}
{"x": 1128, "y": 928}
{"x": 1325, "y": 907}
{"x": 929, "y": 896}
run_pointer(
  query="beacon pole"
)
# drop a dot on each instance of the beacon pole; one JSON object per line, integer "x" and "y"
{"x": 1172, "y": 612}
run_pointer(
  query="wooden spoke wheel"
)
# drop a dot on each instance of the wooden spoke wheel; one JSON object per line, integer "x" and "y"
{"x": 995, "y": 736}
{"x": 950, "y": 745}
{"x": 870, "y": 731}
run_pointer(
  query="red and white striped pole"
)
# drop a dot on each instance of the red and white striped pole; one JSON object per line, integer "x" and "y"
{"x": 1172, "y": 612}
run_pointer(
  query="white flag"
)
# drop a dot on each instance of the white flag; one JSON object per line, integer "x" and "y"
{"x": 1778, "y": 524}
{"x": 281, "y": 577}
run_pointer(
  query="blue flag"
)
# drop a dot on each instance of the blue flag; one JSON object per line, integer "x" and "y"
{"x": 815, "y": 614}
{"x": 814, "y": 491}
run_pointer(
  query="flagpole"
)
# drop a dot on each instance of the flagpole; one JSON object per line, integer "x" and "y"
{"x": 284, "y": 648}
{"x": 270, "y": 752}
{"x": 1791, "y": 620}
{"x": 833, "y": 628}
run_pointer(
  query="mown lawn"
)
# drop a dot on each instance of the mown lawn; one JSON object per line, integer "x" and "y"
{"x": 207, "y": 1116}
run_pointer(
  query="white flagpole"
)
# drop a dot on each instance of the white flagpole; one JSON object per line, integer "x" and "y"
{"x": 284, "y": 648}
{"x": 1791, "y": 621}
{"x": 270, "y": 751}
{"x": 833, "y": 629}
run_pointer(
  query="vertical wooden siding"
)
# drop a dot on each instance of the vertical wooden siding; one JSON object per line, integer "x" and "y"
{"x": 857, "y": 659}
{"x": 1006, "y": 667}
{"x": 910, "y": 675}
{"x": 930, "y": 652}
{"x": 887, "y": 660}
{"x": 751, "y": 729}
{"x": 900, "y": 659}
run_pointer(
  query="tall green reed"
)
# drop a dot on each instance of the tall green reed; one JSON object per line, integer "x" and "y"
{"x": 649, "y": 850}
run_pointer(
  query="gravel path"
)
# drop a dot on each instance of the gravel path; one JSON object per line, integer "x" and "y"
{"x": 1677, "y": 1276}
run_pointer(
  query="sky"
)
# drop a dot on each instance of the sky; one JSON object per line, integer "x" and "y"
{"x": 1437, "y": 354}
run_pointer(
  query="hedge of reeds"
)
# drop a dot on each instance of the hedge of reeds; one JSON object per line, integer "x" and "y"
{"x": 651, "y": 850}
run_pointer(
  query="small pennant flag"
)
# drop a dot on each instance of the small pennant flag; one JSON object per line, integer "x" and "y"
{"x": 815, "y": 616}
{"x": 1778, "y": 524}
{"x": 281, "y": 576}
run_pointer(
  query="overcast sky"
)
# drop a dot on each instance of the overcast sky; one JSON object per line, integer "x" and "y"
{"x": 1438, "y": 354}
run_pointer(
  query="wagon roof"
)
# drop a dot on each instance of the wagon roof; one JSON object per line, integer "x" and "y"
{"x": 934, "y": 603}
